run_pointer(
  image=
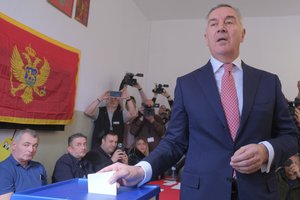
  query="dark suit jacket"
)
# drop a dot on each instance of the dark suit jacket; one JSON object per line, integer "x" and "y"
{"x": 198, "y": 128}
{"x": 68, "y": 167}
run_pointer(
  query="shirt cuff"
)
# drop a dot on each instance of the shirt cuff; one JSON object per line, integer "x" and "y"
{"x": 148, "y": 172}
{"x": 266, "y": 167}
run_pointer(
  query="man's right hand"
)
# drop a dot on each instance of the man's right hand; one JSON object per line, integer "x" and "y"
{"x": 124, "y": 174}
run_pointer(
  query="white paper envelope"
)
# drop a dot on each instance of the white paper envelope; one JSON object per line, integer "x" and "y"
{"x": 98, "y": 183}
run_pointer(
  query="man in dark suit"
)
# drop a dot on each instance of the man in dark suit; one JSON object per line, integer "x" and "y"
{"x": 218, "y": 165}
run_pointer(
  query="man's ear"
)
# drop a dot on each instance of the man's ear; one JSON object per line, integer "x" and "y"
{"x": 13, "y": 145}
{"x": 69, "y": 149}
{"x": 243, "y": 34}
{"x": 205, "y": 38}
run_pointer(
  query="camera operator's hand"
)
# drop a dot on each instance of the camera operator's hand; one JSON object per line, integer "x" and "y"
{"x": 118, "y": 155}
{"x": 125, "y": 94}
{"x": 104, "y": 96}
{"x": 150, "y": 118}
{"x": 137, "y": 86}
{"x": 91, "y": 110}
{"x": 166, "y": 94}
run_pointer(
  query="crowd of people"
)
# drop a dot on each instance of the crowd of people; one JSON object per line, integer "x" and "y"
{"x": 145, "y": 142}
{"x": 122, "y": 133}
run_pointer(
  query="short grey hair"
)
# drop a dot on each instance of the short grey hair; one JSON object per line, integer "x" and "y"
{"x": 226, "y": 6}
{"x": 19, "y": 134}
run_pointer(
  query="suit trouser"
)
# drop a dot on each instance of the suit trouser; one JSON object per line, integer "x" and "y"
{"x": 234, "y": 190}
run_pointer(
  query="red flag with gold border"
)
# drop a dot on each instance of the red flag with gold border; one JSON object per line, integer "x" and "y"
{"x": 38, "y": 76}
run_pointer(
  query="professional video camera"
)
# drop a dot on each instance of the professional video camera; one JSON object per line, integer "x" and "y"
{"x": 149, "y": 110}
{"x": 129, "y": 80}
{"x": 292, "y": 105}
{"x": 159, "y": 88}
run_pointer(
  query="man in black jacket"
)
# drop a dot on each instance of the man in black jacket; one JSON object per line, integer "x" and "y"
{"x": 72, "y": 164}
{"x": 106, "y": 153}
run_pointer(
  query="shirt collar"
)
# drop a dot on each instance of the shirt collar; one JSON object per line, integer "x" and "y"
{"x": 15, "y": 162}
{"x": 216, "y": 64}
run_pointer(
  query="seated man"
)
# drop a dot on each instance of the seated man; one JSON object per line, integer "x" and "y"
{"x": 106, "y": 153}
{"x": 289, "y": 179}
{"x": 72, "y": 164}
{"x": 18, "y": 171}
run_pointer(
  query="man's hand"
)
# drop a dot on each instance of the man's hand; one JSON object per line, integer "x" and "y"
{"x": 125, "y": 175}
{"x": 117, "y": 155}
{"x": 249, "y": 158}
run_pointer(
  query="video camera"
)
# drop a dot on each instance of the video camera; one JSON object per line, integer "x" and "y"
{"x": 159, "y": 88}
{"x": 149, "y": 110}
{"x": 129, "y": 80}
{"x": 292, "y": 105}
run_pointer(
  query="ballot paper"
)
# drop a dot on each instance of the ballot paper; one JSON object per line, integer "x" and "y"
{"x": 98, "y": 183}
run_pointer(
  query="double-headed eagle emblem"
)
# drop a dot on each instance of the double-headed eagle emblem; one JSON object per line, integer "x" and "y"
{"x": 31, "y": 77}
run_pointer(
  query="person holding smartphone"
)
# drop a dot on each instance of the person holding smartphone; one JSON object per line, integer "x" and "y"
{"x": 288, "y": 177}
{"x": 111, "y": 116}
{"x": 106, "y": 153}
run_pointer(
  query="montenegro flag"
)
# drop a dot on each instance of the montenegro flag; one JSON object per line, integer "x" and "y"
{"x": 38, "y": 76}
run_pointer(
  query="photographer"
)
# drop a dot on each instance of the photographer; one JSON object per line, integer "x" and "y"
{"x": 289, "y": 179}
{"x": 163, "y": 111}
{"x": 148, "y": 125}
{"x": 160, "y": 89}
{"x": 111, "y": 116}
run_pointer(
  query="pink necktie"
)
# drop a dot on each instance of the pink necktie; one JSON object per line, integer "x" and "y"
{"x": 230, "y": 100}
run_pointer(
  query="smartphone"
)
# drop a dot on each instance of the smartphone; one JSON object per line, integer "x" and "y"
{"x": 115, "y": 93}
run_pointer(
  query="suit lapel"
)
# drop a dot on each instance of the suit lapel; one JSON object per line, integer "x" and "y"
{"x": 207, "y": 82}
{"x": 251, "y": 79}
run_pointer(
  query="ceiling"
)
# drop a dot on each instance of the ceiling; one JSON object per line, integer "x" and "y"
{"x": 197, "y": 9}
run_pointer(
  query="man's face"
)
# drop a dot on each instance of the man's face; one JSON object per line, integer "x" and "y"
{"x": 113, "y": 102}
{"x": 78, "y": 147}
{"x": 25, "y": 148}
{"x": 224, "y": 33}
{"x": 109, "y": 143}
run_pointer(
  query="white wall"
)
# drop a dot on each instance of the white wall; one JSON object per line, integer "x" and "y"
{"x": 178, "y": 47}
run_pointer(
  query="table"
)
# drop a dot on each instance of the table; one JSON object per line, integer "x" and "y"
{"x": 169, "y": 189}
{"x": 77, "y": 189}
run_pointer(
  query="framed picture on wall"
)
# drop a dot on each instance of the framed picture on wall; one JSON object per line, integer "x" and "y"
{"x": 82, "y": 11}
{"x": 66, "y": 6}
